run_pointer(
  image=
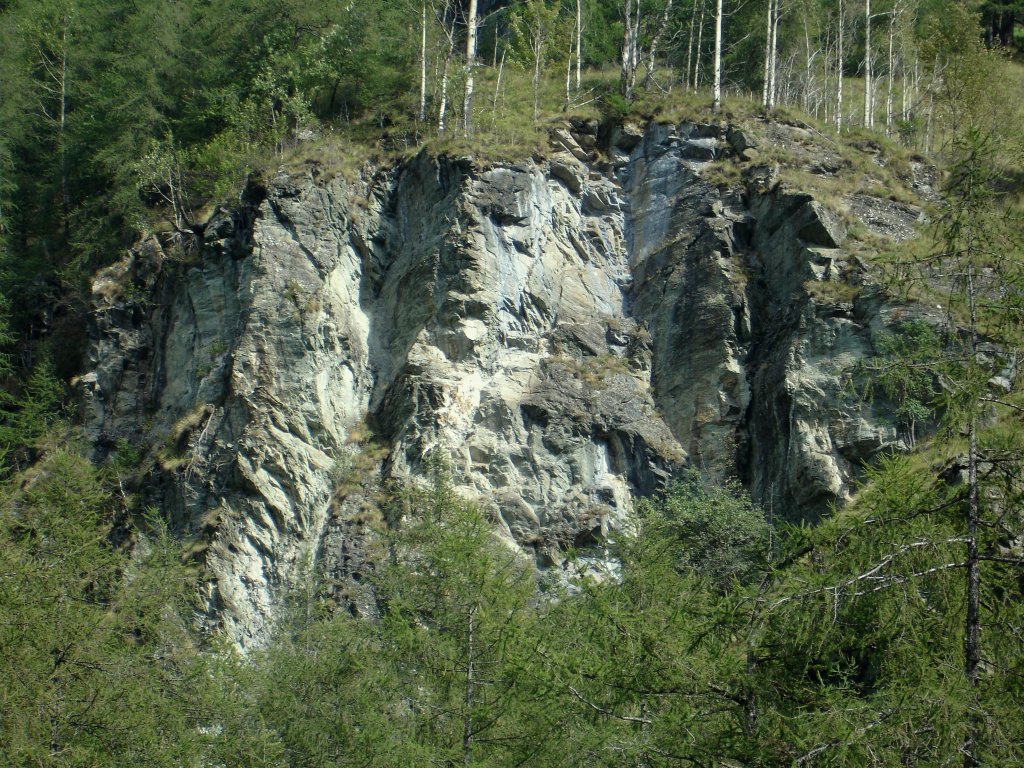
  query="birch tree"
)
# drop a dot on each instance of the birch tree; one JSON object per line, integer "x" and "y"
{"x": 536, "y": 32}
{"x": 700, "y": 37}
{"x": 467, "y": 102}
{"x": 771, "y": 65}
{"x": 869, "y": 93}
{"x": 717, "y": 87}
{"x": 446, "y": 18}
{"x": 630, "y": 42}
{"x": 423, "y": 63}
{"x": 579, "y": 44}
{"x": 890, "y": 69}
{"x": 840, "y": 53}
{"x": 652, "y": 51}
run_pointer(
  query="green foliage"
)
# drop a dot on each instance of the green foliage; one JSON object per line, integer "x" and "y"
{"x": 713, "y": 532}
{"x": 434, "y": 679}
{"x": 883, "y": 639}
{"x": 707, "y": 646}
{"x": 538, "y": 37}
{"x": 455, "y": 601}
{"x": 903, "y": 372}
{"x": 861, "y": 651}
{"x": 95, "y": 663}
{"x": 714, "y": 641}
{"x": 27, "y": 417}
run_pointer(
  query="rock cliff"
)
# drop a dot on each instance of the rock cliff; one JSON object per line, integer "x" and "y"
{"x": 568, "y": 330}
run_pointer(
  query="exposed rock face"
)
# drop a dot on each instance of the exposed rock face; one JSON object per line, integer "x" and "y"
{"x": 570, "y": 333}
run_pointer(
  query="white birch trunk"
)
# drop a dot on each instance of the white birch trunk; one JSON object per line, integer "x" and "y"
{"x": 888, "y": 90}
{"x": 423, "y": 68}
{"x": 579, "y": 44}
{"x": 627, "y": 51}
{"x": 634, "y": 56}
{"x": 765, "y": 92}
{"x": 868, "y": 95}
{"x": 700, "y": 38}
{"x": 773, "y": 75}
{"x": 808, "y": 61}
{"x": 442, "y": 107}
{"x": 716, "y": 103}
{"x": 467, "y": 102}
{"x": 568, "y": 77}
{"x": 839, "y": 62}
{"x": 689, "y": 48}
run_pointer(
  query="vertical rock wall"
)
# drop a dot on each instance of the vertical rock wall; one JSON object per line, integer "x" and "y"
{"x": 569, "y": 332}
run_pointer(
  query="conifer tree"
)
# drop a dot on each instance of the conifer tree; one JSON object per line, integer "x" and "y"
{"x": 455, "y": 601}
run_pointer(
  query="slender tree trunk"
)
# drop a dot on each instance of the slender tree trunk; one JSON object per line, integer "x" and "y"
{"x": 501, "y": 70}
{"x": 839, "y": 66}
{"x": 768, "y": 64}
{"x": 442, "y": 108}
{"x": 635, "y": 55}
{"x": 773, "y": 74}
{"x": 891, "y": 69}
{"x": 568, "y": 77}
{"x": 467, "y": 718}
{"x": 538, "y": 44}
{"x": 689, "y": 47}
{"x": 716, "y": 103}
{"x": 467, "y": 102}
{"x": 53, "y": 60}
{"x": 904, "y": 87}
{"x": 627, "y": 52}
{"x": 652, "y": 54}
{"x": 443, "y": 105}
{"x": 808, "y": 61}
{"x": 929, "y": 125}
{"x": 700, "y": 38}
{"x": 972, "y": 620}
{"x": 423, "y": 68}
{"x": 579, "y": 44}
{"x": 868, "y": 86}
{"x": 65, "y": 194}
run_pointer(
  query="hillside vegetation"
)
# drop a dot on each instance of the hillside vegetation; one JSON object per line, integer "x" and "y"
{"x": 890, "y": 633}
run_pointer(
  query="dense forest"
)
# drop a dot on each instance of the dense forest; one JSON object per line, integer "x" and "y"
{"x": 890, "y": 633}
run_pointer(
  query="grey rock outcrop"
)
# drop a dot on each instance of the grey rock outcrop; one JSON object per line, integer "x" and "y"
{"x": 570, "y": 332}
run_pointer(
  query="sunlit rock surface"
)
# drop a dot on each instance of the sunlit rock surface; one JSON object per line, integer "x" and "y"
{"x": 570, "y": 332}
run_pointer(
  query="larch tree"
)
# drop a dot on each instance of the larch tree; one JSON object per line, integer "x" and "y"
{"x": 455, "y": 601}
